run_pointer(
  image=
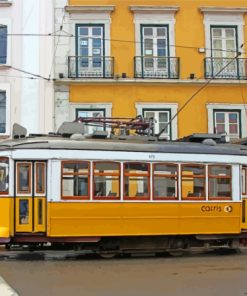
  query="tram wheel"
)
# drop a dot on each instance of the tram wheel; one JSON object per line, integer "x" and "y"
{"x": 107, "y": 255}
{"x": 176, "y": 253}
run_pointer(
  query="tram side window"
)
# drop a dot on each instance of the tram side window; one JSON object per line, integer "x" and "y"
{"x": 193, "y": 181}
{"x": 220, "y": 182}
{"x": 244, "y": 181}
{"x": 106, "y": 184}
{"x": 165, "y": 181}
{"x": 40, "y": 178}
{"x": 4, "y": 175}
{"x": 136, "y": 181}
{"x": 24, "y": 174}
{"x": 75, "y": 180}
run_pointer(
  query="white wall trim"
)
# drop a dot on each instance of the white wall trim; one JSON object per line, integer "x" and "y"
{"x": 172, "y": 106}
{"x": 215, "y": 106}
{"x": 89, "y": 8}
{"x": 160, "y": 17}
{"x": 74, "y": 106}
{"x": 224, "y": 9}
{"x": 153, "y": 9}
{"x": 6, "y": 88}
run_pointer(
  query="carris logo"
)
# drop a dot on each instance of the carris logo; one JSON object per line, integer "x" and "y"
{"x": 228, "y": 209}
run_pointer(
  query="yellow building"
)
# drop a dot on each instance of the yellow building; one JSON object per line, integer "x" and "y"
{"x": 124, "y": 58}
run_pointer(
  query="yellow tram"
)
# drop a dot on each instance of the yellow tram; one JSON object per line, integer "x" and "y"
{"x": 121, "y": 194}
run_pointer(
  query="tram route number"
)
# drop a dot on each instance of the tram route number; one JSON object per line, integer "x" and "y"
{"x": 218, "y": 209}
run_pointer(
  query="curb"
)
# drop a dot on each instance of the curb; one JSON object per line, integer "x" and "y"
{"x": 5, "y": 289}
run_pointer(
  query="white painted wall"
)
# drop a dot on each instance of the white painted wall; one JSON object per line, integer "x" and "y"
{"x": 31, "y": 101}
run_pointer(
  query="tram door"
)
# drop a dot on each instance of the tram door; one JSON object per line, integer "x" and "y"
{"x": 30, "y": 196}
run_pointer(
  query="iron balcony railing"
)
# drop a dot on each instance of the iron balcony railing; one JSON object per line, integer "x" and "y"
{"x": 157, "y": 67}
{"x": 232, "y": 68}
{"x": 90, "y": 67}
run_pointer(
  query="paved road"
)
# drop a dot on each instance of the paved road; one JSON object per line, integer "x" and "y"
{"x": 204, "y": 275}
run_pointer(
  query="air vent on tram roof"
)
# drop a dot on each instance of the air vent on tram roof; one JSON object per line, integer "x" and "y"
{"x": 69, "y": 128}
{"x": 18, "y": 131}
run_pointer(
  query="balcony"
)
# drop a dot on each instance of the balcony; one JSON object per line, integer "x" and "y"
{"x": 157, "y": 67}
{"x": 237, "y": 69}
{"x": 90, "y": 67}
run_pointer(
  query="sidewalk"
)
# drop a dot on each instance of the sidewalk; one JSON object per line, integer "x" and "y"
{"x": 5, "y": 289}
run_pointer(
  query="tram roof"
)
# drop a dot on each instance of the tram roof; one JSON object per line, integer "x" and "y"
{"x": 135, "y": 145}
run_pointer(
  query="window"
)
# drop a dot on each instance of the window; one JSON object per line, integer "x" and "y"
{"x": 3, "y": 112}
{"x": 4, "y": 175}
{"x": 3, "y": 44}
{"x": 106, "y": 183}
{"x": 40, "y": 181}
{"x": 193, "y": 181}
{"x": 136, "y": 181}
{"x": 24, "y": 177}
{"x": 165, "y": 181}
{"x": 244, "y": 180}
{"x": 91, "y": 127}
{"x": 227, "y": 122}
{"x": 75, "y": 180}
{"x": 161, "y": 120}
{"x": 220, "y": 182}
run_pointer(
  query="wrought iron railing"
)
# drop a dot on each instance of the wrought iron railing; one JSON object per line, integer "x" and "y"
{"x": 231, "y": 68}
{"x": 157, "y": 67}
{"x": 90, "y": 67}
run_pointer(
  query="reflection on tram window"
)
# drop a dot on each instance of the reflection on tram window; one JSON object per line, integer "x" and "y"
{"x": 23, "y": 211}
{"x": 165, "y": 181}
{"x": 24, "y": 177}
{"x": 106, "y": 180}
{"x": 40, "y": 212}
{"x": 193, "y": 181}
{"x": 75, "y": 180}
{"x": 136, "y": 181}
{"x": 220, "y": 183}
{"x": 4, "y": 175}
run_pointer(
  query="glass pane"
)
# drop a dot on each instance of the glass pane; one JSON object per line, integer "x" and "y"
{"x": 220, "y": 128}
{"x": 148, "y": 31}
{"x": 149, "y": 63}
{"x": 106, "y": 167}
{"x": 148, "y": 43}
{"x": 24, "y": 178}
{"x": 78, "y": 167}
{"x": 83, "y": 31}
{"x": 220, "y": 171}
{"x": 230, "y": 32}
{"x": 220, "y": 117}
{"x": 233, "y": 118}
{"x": 165, "y": 169}
{"x": 193, "y": 187}
{"x": 233, "y": 129}
{"x": 161, "y": 43}
{"x": 136, "y": 187}
{"x": 217, "y": 44}
{"x": 106, "y": 186}
{"x": 97, "y": 31}
{"x": 193, "y": 170}
{"x": 165, "y": 187}
{"x": 40, "y": 175}
{"x": 3, "y": 44}
{"x": 149, "y": 114}
{"x": 96, "y": 42}
{"x": 162, "y": 52}
{"x": 161, "y": 31}
{"x": 75, "y": 186}
{"x": 136, "y": 168}
{"x": 2, "y": 112}
{"x": 23, "y": 211}
{"x": 217, "y": 32}
{"x": 4, "y": 175}
{"x": 163, "y": 116}
{"x": 230, "y": 44}
{"x": 40, "y": 212}
{"x": 219, "y": 188}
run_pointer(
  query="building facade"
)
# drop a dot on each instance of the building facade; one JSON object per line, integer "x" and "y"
{"x": 183, "y": 63}
{"x": 26, "y": 53}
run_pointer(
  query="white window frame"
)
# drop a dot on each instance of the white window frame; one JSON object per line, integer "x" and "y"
{"x": 223, "y": 17}
{"x": 172, "y": 106}
{"x": 90, "y": 15}
{"x": 5, "y": 87}
{"x": 229, "y": 107}
{"x": 154, "y": 15}
{"x": 7, "y": 22}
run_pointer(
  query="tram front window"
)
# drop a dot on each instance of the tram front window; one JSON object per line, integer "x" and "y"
{"x": 4, "y": 175}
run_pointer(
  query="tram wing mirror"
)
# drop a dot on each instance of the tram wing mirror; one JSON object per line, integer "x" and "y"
{"x": 18, "y": 131}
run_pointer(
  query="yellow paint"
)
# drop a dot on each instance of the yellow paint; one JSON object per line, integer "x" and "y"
{"x": 189, "y": 31}
{"x": 244, "y": 220}
{"x": 113, "y": 219}
{"x": 6, "y": 221}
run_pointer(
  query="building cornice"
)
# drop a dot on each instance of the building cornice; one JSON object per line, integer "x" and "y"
{"x": 89, "y": 8}
{"x": 223, "y": 9}
{"x": 5, "y": 3}
{"x": 153, "y": 9}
